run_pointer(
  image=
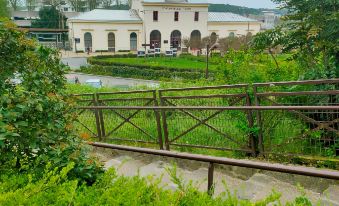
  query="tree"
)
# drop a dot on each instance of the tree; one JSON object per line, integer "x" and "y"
{"x": 92, "y": 4}
{"x": 50, "y": 17}
{"x": 30, "y": 4}
{"x": 78, "y": 5}
{"x": 37, "y": 115}
{"x": 107, "y": 4}
{"x": 3, "y": 9}
{"x": 269, "y": 40}
{"x": 310, "y": 30}
{"x": 14, "y": 4}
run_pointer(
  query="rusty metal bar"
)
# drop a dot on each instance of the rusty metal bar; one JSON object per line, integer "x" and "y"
{"x": 126, "y": 92}
{"x": 97, "y": 117}
{"x": 210, "y": 178}
{"x": 131, "y": 140}
{"x": 211, "y": 147}
{"x": 157, "y": 119}
{"x": 263, "y": 94}
{"x": 204, "y": 88}
{"x": 320, "y": 81}
{"x": 205, "y": 96}
{"x": 214, "y": 107}
{"x": 298, "y": 170}
{"x": 164, "y": 122}
{"x": 126, "y": 99}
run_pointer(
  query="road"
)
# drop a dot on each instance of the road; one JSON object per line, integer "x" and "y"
{"x": 109, "y": 81}
{"x": 74, "y": 62}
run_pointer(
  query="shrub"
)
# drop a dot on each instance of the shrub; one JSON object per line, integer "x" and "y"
{"x": 55, "y": 188}
{"x": 36, "y": 116}
{"x": 141, "y": 72}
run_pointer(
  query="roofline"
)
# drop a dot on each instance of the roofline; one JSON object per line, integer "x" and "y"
{"x": 104, "y": 21}
{"x": 233, "y": 22}
{"x": 171, "y": 4}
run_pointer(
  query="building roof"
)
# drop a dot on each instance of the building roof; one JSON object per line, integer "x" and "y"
{"x": 108, "y": 15}
{"x": 227, "y": 17}
{"x": 177, "y": 1}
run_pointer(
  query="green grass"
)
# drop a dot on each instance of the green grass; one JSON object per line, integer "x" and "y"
{"x": 175, "y": 62}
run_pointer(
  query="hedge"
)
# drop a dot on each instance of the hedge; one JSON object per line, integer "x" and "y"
{"x": 141, "y": 72}
{"x": 99, "y": 62}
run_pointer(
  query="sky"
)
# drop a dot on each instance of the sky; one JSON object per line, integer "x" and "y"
{"x": 248, "y": 3}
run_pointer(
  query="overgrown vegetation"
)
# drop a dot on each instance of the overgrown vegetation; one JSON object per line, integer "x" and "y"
{"x": 55, "y": 188}
{"x": 36, "y": 116}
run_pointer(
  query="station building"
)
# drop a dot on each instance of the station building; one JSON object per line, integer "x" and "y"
{"x": 159, "y": 23}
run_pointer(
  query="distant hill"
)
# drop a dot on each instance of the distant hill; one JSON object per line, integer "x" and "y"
{"x": 240, "y": 9}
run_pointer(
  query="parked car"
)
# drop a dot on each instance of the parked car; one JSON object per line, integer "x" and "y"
{"x": 141, "y": 53}
{"x": 97, "y": 83}
{"x": 157, "y": 51}
{"x": 169, "y": 53}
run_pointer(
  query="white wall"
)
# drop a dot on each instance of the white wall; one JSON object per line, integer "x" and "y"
{"x": 100, "y": 32}
{"x": 166, "y": 23}
{"x": 223, "y": 29}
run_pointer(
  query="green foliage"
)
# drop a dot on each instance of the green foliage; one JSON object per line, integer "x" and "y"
{"x": 233, "y": 9}
{"x": 248, "y": 67}
{"x": 55, "y": 188}
{"x": 310, "y": 30}
{"x": 36, "y": 116}
{"x": 184, "y": 62}
{"x": 141, "y": 72}
{"x": 3, "y": 9}
{"x": 50, "y": 17}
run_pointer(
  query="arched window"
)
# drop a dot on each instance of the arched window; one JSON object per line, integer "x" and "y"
{"x": 195, "y": 39}
{"x": 155, "y": 39}
{"x": 133, "y": 41}
{"x": 232, "y": 35}
{"x": 249, "y": 34}
{"x": 88, "y": 41}
{"x": 213, "y": 38}
{"x": 111, "y": 42}
{"x": 176, "y": 39}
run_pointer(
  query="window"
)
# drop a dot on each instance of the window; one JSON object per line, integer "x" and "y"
{"x": 196, "y": 16}
{"x": 65, "y": 9}
{"x": 155, "y": 15}
{"x": 176, "y": 16}
{"x": 231, "y": 34}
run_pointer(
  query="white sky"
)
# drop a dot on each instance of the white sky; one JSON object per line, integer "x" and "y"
{"x": 248, "y": 3}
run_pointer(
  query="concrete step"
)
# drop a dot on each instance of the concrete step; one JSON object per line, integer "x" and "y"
{"x": 255, "y": 188}
{"x": 260, "y": 186}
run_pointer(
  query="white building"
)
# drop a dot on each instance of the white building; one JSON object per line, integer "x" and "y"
{"x": 160, "y": 23}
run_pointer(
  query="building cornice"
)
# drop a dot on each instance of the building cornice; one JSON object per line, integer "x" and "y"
{"x": 174, "y": 4}
{"x": 102, "y": 21}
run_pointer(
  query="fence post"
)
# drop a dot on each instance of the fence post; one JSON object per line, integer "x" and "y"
{"x": 210, "y": 178}
{"x": 251, "y": 137}
{"x": 164, "y": 122}
{"x": 101, "y": 116}
{"x": 97, "y": 119}
{"x": 157, "y": 118}
{"x": 259, "y": 121}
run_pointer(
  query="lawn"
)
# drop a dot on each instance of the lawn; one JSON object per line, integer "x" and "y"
{"x": 166, "y": 62}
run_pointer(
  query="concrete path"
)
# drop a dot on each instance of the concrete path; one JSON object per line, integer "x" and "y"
{"x": 109, "y": 81}
{"x": 246, "y": 184}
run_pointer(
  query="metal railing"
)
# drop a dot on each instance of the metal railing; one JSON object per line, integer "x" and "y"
{"x": 286, "y": 118}
{"x": 299, "y": 170}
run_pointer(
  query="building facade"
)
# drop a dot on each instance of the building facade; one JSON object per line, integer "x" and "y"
{"x": 158, "y": 23}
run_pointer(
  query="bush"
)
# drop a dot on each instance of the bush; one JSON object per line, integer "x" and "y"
{"x": 55, "y": 188}
{"x": 36, "y": 116}
{"x": 142, "y": 72}
{"x": 100, "y": 62}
